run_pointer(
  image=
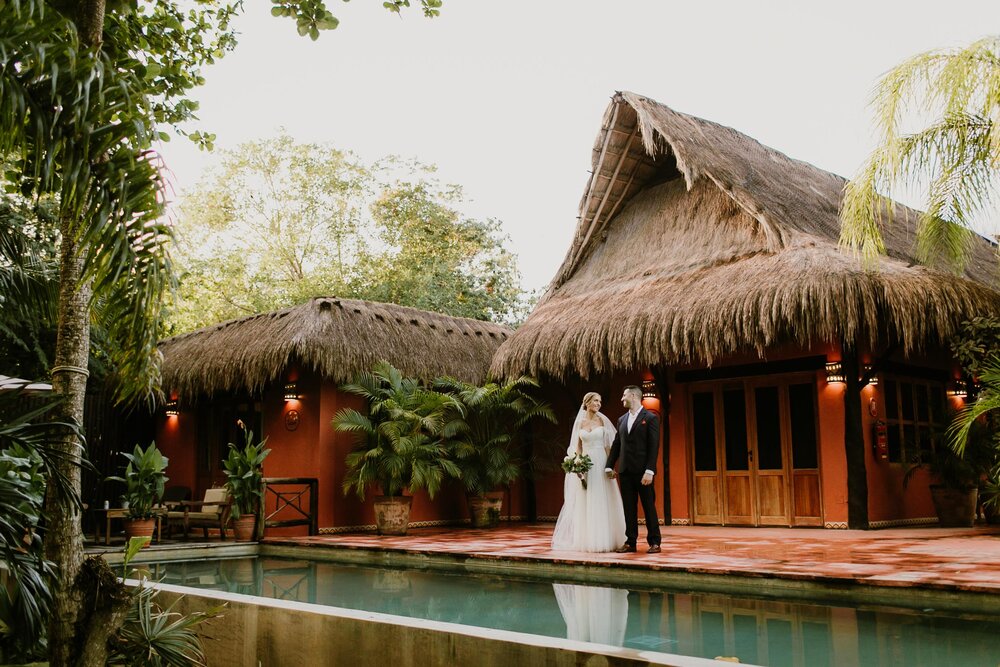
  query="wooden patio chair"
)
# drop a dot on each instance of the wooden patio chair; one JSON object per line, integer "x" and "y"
{"x": 211, "y": 512}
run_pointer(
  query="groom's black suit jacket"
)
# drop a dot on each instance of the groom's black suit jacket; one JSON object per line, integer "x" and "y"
{"x": 637, "y": 448}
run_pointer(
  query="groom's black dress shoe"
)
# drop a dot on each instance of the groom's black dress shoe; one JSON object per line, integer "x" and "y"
{"x": 625, "y": 548}
{"x": 653, "y": 549}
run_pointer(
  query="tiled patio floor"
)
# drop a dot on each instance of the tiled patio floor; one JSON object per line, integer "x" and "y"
{"x": 966, "y": 559}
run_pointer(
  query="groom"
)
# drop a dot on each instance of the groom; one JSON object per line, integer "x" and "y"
{"x": 637, "y": 443}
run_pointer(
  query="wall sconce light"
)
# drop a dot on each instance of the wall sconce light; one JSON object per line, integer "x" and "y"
{"x": 873, "y": 380}
{"x": 171, "y": 409}
{"x": 649, "y": 389}
{"x": 957, "y": 388}
{"x": 835, "y": 372}
{"x": 291, "y": 391}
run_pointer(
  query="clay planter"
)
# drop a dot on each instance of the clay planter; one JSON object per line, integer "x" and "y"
{"x": 245, "y": 528}
{"x": 392, "y": 514}
{"x": 140, "y": 528}
{"x": 955, "y": 507}
{"x": 485, "y": 511}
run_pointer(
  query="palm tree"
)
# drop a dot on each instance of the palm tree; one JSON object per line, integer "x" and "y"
{"x": 483, "y": 439}
{"x": 400, "y": 443}
{"x": 957, "y": 154}
{"x": 79, "y": 127}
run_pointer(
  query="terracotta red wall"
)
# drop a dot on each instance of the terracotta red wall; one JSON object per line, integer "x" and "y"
{"x": 175, "y": 437}
{"x": 888, "y": 499}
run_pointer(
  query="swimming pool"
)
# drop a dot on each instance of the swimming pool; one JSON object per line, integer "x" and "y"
{"x": 756, "y": 630}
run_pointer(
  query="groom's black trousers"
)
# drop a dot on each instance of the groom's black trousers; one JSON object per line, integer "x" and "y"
{"x": 632, "y": 491}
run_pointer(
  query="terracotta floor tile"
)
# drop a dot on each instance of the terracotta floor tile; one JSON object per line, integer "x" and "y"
{"x": 968, "y": 559}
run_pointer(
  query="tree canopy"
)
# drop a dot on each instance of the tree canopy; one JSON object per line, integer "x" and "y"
{"x": 280, "y": 222}
{"x": 84, "y": 88}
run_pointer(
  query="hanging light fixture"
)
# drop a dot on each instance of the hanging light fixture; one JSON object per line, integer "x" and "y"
{"x": 171, "y": 409}
{"x": 957, "y": 388}
{"x": 649, "y": 389}
{"x": 835, "y": 373}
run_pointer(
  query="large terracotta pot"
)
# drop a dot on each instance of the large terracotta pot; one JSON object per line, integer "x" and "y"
{"x": 485, "y": 510}
{"x": 392, "y": 514}
{"x": 955, "y": 507}
{"x": 245, "y": 528}
{"x": 140, "y": 528}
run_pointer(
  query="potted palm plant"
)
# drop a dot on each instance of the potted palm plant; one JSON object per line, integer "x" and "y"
{"x": 399, "y": 443}
{"x": 144, "y": 481}
{"x": 244, "y": 468}
{"x": 482, "y": 438}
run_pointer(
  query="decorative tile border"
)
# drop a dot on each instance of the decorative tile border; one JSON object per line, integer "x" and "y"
{"x": 830, "y": 525}
{"x": 892, "y": 523}
{"x": 370, "y": 528}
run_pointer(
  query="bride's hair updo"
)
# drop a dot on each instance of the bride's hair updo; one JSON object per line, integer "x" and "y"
{"x": 590, "y": 395}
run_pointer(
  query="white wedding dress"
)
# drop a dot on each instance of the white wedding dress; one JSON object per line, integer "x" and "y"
{"x": 593, "y": 614}
{"x": 591, "y": 519}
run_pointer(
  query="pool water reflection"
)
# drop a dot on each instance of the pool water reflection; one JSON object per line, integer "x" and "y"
{"x": 757, "y": 631}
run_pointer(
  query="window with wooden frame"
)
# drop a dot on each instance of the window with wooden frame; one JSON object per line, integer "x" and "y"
{"x": 914, "y": 416}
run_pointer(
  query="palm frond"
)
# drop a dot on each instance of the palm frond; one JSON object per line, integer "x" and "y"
{"x": 957, "y": 155}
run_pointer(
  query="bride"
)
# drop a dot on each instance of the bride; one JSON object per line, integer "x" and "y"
{"x": 591, "y": 519}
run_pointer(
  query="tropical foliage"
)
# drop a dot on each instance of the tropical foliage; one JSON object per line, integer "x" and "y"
{"x": 484, "y": 433}
{"x": 145, "y": 478}
{"x": 28, "y": 286}
{"x": 244, "y": 467}
{"x": 152, "y": 635}
{"x": 401, "y": 436}
{"x": 956, "y": 155}
{"x": 82, "y": 89}
{"x": 28, "y": 460}
{"x": 280, "y": 222}
{"x": 973, "y": 433}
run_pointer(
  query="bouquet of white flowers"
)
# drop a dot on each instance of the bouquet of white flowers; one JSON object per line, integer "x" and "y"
{"x": 578, "y": 464}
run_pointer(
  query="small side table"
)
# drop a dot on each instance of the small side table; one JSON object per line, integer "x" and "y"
{"x": 117, "y": 513}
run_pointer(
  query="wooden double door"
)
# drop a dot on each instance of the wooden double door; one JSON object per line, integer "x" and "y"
{"x": 755, "y": 452}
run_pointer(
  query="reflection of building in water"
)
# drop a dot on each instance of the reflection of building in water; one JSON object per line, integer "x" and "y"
{"x": 593, "y": 614}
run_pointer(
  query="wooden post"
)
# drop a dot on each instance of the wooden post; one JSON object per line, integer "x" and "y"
{"x": 662, "y": 388}
{"x": 854, "y": 443}
{"x": 313, "y": 506}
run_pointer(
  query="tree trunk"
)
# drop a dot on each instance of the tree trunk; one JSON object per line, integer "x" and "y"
{"x": 854, "y": 444}
{"x": 63, "y": 534}
{"x": 86, "y": 608}
{"x": 90, "y": 22}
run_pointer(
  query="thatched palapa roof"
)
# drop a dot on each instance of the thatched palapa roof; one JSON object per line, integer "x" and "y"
{"x": 696, "y": 241}
{"x": 336, "y": 337}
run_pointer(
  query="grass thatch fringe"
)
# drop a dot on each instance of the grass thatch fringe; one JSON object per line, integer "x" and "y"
{"x": 719, "y": 246}
{"x": 336, "y": 337}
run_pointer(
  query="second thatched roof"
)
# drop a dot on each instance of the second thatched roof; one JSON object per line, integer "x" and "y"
{"x": 696, "y": 241}
{"x": 336, "y": 337}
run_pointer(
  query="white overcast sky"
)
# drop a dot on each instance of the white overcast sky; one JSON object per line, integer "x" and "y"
{"x": 506, "y": 96}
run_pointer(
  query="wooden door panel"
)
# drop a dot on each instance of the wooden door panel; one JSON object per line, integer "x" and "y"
{"x": 805, "y": 491}
{"x": 739, "y": 499}
{"x": 771, "y": 492}
{"x": 707, "y": 498}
